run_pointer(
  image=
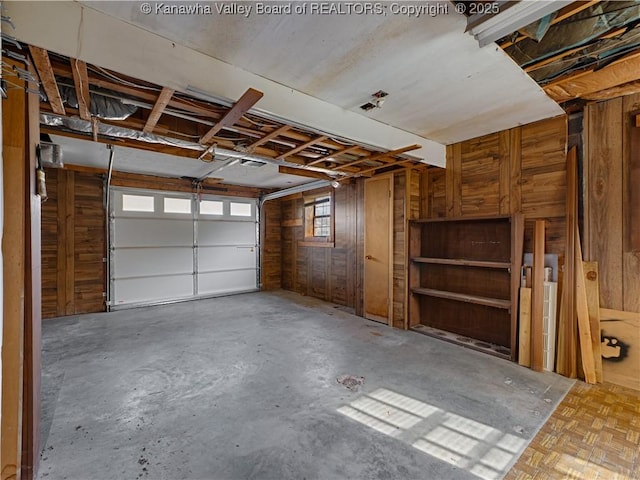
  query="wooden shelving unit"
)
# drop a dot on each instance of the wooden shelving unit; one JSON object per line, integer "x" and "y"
{"x": 464, "y": 277}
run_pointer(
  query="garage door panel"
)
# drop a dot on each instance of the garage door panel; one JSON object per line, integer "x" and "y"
{"x": 226, "y": 233}
{"x": 135, "y": 232}
{"x": 218, "y": 258}
{"x": 155, "y": 257}
{"x": 146, "y": 290}
{"x": 226, "y": 282}
{"x": 132, "y": 262}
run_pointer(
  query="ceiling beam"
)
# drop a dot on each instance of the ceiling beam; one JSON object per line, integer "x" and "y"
{"x": 303, "y": 173}
{"x": 619, "y": 91}
{"x": 81, "y": 81}
{"x": 300, "y": 148}
{"x": 42, "y": 63}
{"x": 333, "y": 155}
{"x": 378, "y": 156}
{"x": 244, "y": 104}
{"x": 395, "y": 164}
{"x": 586, "y": 82}
{"x": 270, "y": 136}
{"x": 158, "y": 108}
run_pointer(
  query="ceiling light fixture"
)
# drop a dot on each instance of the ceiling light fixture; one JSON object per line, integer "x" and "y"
{"x": 512, "y": 16}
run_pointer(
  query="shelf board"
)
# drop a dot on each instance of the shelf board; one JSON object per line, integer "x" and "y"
{"x": 462, "y": 262}
{"x": 461, "y": 297}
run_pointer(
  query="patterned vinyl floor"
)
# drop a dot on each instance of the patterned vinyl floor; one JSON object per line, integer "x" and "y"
{"x": 593, "y": 434}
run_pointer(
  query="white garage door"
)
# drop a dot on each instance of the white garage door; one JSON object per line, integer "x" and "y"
{"x": 171, "y": 246}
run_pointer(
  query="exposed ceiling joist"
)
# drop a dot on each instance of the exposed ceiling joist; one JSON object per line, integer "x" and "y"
{"x": 619, "y": 91}
{"x": 587, "y": 82}
{"x": 158, "y": 108}
{"x": 564, "y": 13}
{"x": 242, "y": 106}
{"x": 378, "y": 156}
{"x": 270, "y": 136}
{"x": 333, "y": 155}
{"x": 42, "y": 63}
{"x": 368, "y": 171}
{"x": 303, "y": 173}
{"x": 300, "y": 148}
{"x": 81, "y": 81}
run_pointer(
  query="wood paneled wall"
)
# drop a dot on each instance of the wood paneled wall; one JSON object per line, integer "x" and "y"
{"x": 271, "y": 252}
{"x": 335, "y": 274}
{"x": 517, "y": 170}
{"x": 73, "y": 244}
{"x": 328, "y": 273}
{"x": 612, "y": 149}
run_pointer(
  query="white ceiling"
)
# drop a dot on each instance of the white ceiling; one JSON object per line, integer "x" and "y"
{"x": 92, "y": 154}
{"x": 442, "y": 86}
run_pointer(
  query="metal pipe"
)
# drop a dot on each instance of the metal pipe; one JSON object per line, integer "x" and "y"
{"x": 107, "y": 224}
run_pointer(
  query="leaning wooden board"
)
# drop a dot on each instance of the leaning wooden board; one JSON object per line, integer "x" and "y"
{"x": 620, "y": 347}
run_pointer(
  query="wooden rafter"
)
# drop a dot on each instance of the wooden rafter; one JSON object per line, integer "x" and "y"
{"x": 269, "y": 136}
{"x": 300, "y": 148}
{"x": 42, "y": 63}
{"x": 586, "y": 82}
{"x": 378, "y": 156}
{"x": 248, "y": 100}
{"x": 81, "y": 82}
{"x": 158, "y": 108}
{"x": 303, "y": 173}
{"x": 395, "y": 164}
{"x": 333, "y": 155}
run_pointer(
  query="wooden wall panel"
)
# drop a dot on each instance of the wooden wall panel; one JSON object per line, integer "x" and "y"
{"x": 604, "y": 195}
{"x": 610, "y": 153}
{"x": 73, "y": 244}
{"x": 400, "y": 207}
{"x": 50, "y": 247}
{"x": 480, "y": 175}
{"x": 272, "y": 245}
{"x": 436, "y": 193}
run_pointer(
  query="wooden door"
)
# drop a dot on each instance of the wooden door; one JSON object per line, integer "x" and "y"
{"x": 378, "y": 230}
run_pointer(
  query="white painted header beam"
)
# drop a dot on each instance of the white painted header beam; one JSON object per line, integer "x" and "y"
{"x": 80, "y": 32}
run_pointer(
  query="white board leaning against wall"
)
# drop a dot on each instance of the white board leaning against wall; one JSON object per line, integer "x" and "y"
{"x": 168, "y": 246}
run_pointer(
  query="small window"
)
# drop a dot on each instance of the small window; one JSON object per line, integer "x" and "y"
{"x": 211, "y": 207}
{"x": 177, "y": 205}
{"x": 240, "y": 209}
{"x": 137, "y": 203}
{"x": 318, "y": 222}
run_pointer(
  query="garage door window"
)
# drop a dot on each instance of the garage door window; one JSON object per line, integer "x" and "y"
{"x": 240, "y": 209}
{"x": 211, "y": 207}
{"x": 137, "y": 203}
{"x": 177, "y": 205}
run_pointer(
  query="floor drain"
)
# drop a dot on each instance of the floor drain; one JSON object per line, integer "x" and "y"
{"x": 352, "y": 382}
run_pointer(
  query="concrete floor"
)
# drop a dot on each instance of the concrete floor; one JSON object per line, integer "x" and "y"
{"x": 245, "y": 387}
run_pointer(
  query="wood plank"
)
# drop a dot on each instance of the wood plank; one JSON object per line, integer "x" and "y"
{"x": 584, "y": 83}
{"x": 300, "y": 148}
{"x": 161, "y": 103}
{"x": 517, "y": 241}
{"x": 42, "y": 63}
{"x": 368, "y": 171}
{"x": 81, "y": 82}
{"x": 605, "y": 189}
{"x": 378, "y": 156}
{"x": 242, "y": 106}
{"x": 537, "y": 298}
{"x": 457, "y": 261}
{"x": 269, "y": 136}
{"x": 13, "y": 267}
{"x": 632, "y": 189}
{"x": 304, "y": 173}
{"x": 489, "y": 302}
{"x": 515, "y": 166}
{"x": 504, "y": 158}
{"x": 584, "y": 329}
{"x": 567, "y": 348}
{"x": 524, "y": 343}
{"x": 68, "y": 229}
{"x": 334, "y": 155}
{"x": 453, "y": 180}
{"x": 592, "y": 290}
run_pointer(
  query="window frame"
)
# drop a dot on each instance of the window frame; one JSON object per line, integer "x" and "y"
{"x": 310, "y": 202}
